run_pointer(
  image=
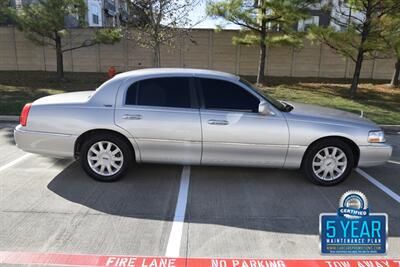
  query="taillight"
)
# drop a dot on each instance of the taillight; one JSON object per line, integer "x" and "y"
{"x": 24, "y": 114}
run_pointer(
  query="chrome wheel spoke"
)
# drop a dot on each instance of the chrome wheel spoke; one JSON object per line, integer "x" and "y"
{"x": 108, "y": 148}
{"x": 109, "y": 168}
{"x": 97, "y": 164}
{"x": 334, "y": 152}
{"x": 336, "y": 169}
{"x": 114, "y": 165}
{"x": 102, "y": 168}
{"x": 94, "y": 151}
{"x": 340, "y": 156}
{"x": 101, "y": 148}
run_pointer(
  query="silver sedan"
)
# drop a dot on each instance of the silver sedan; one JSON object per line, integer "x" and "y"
{"x": 198, "y": 117}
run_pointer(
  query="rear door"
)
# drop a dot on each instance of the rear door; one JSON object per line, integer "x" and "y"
{"x": 162, "y": 116}
{"x": 234, "y": 133}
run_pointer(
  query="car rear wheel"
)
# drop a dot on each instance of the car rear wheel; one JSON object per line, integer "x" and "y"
{"x": 328, "y": 162}
{"x": 105, "y": 157}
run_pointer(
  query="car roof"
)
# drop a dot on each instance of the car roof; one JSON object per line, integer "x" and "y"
{"x": 154, "y": 72}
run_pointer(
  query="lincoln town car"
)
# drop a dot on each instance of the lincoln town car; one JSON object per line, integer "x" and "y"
{"x": 197, "y": 117}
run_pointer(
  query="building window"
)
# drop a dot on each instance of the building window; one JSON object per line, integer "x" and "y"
{"x": 305, "y": 24}
{"x": 95, "y": 19}
{"x": 94, "y": 14}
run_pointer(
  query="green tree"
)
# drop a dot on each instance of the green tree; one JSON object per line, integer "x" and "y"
{"x": 159, "y": 22}
{"x": 43, "y": 22}
{"x": 258, "y": 18}
{"x": 5, "y": 5}
{"x": 391, "y": 38}
{"x": 360, "y": 36}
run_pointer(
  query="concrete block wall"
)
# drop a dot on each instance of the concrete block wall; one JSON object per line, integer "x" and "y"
{"x": 203, "y": 49}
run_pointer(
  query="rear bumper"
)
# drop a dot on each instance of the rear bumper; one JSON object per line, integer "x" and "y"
{"x": 49, "y": 144}
{"x": 374, "y": 155}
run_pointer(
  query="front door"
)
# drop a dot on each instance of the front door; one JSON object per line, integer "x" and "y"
{"x": 234, "y": 133}
{"x": 161, "y": 115}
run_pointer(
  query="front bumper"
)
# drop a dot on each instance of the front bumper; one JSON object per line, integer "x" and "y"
{"x": 44, "y": 143}
{"x": 373, "y": 155}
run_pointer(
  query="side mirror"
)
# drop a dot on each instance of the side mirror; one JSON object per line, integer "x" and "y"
{"x": 263, "y": 108}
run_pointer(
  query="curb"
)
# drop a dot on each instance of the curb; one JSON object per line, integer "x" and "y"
{"x": 391, "y": 129}
{"x": 9, "y": 118}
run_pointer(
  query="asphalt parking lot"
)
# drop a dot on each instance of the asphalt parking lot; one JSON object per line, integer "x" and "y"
{"x": 50, "y": 205}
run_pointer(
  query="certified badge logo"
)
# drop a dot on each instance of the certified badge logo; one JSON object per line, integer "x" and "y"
{"x": 353, "y": 205}
{"x": 353, "y": 229}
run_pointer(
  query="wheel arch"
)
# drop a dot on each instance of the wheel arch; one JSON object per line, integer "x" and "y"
{"x": 79, "y": 141}
{"x": 354, "y": 148}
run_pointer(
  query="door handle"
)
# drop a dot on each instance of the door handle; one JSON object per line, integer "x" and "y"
{"x": 218, "y": 122}
{"x": 132, "y": 117}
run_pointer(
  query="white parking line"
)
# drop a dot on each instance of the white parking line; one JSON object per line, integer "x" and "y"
{"x": 394, "y": 162}
{"x": 379, "y": 185}
{"x": 12, "y": 163}
{"x": 175, "y": 236}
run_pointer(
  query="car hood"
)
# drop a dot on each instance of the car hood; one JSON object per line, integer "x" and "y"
{"x": 329, "y": 115}
{"x": 66, "y": 98}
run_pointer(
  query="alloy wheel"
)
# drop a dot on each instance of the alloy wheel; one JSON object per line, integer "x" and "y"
{"x": 105, "y": 158}
{"x": 329, "y": 163}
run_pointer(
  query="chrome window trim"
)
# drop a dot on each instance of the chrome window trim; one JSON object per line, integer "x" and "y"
{"x": 158, "y": 109}
{"x": 128, "y": 81}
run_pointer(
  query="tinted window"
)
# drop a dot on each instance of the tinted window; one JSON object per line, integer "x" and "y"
{"x": 271, "y": 100}
{"x": 225, "y": 95}
{"x": 163, "y": 92}
{"x": 131, "y": 94}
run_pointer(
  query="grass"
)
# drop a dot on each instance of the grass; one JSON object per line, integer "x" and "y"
{"x": 379, "y": 102}
{"x": 19, "y": 88}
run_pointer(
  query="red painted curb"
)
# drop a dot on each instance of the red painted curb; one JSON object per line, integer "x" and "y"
{"x": 7, "y": 257}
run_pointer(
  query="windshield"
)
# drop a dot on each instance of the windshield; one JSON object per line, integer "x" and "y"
{"x": 271, "y": 100}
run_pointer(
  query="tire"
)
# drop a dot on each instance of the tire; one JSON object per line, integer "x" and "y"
{"x": 317, "y": 161}
{"x": 115, "y": 166}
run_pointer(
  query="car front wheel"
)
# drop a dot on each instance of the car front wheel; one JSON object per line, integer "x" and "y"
{"x": 105, "y": 158}
{"x": 328, "y": 162}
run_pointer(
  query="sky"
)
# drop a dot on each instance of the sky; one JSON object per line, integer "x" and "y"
{"x": 199, "y": 14}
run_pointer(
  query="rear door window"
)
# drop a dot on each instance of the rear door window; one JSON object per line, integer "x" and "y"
{"x": 162, "y": 92}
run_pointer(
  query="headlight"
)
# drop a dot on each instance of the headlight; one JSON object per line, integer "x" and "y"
{"x": 376, "y": 137}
